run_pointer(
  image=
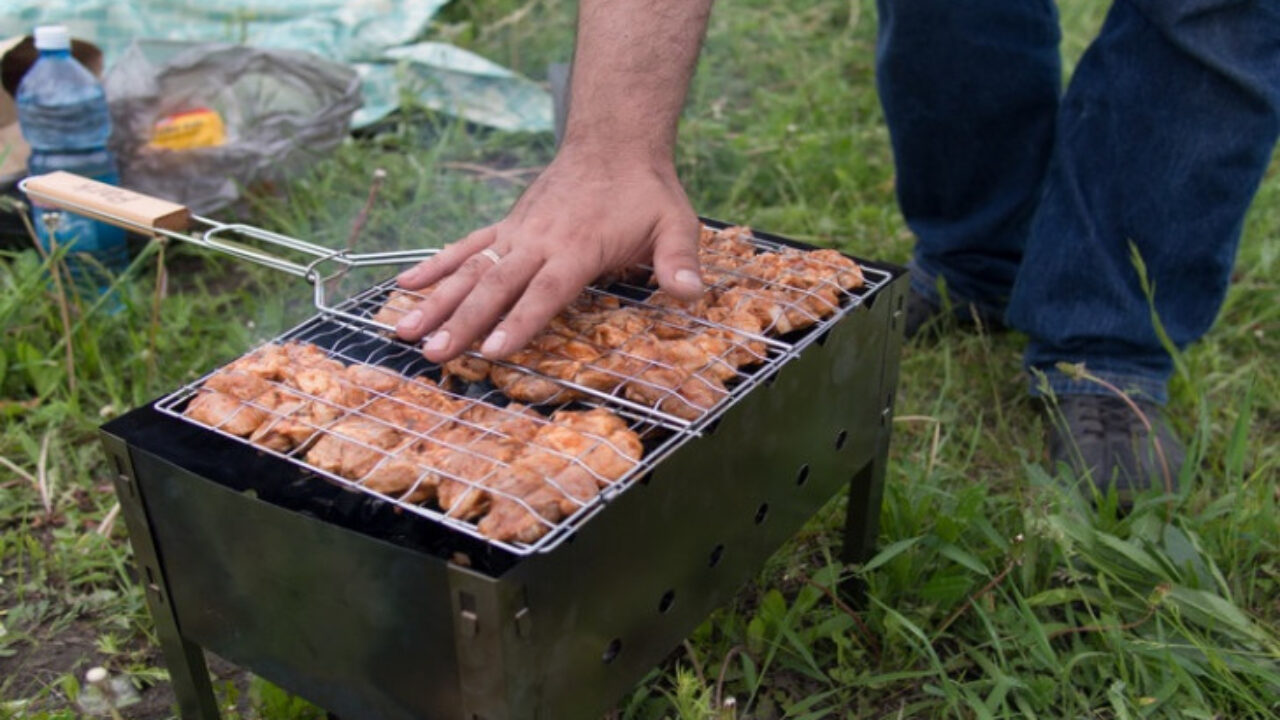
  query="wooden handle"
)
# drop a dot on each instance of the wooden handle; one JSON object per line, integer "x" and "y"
{"x": 108, "y": 203}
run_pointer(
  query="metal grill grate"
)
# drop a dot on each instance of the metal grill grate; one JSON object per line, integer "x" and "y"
{"x": 350, "y": 337}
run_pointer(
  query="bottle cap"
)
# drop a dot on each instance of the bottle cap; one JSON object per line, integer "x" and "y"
{"x": 53, "y": 37}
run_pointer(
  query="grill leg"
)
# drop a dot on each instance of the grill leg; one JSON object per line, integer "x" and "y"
{"x": 866, "y": 488}
{"x": 189, "y": 676}
{"x": 862, "y": 525}
{"x": 188, "y": 673}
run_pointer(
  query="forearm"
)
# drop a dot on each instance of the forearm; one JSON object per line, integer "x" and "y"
{"x": 631, "y": 72}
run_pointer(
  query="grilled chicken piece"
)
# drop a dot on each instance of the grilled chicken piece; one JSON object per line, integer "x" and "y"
{"x": 527, "y": 388}
{"x": 267, "y": 362}
{"x": 694, "y": 397}
{"x": 811, "y": 280}
{"x": 515, "y": 421}
{"x": 373, "y": 378}
{"x": 764, "y": 306}
{"x": 466, "y": 469}
{"x": 520, "y": 491}
{"x": 353, "y": 446}
{"x": 306, "y": 355}
{"x": 405, "y": 473}
{"x": 672, "y": 377}
{"x": 417, "y": 406}
{"x": 676, "y": 393}
{"x": 695, "y": 308}
{"x": 731, "y": 242}
{"x": 329, "y": 386}
{"x": 722, "y": 356}
{"x": 225, "y": 412}
{"x": 848, "y": 274}
{"x": 467, "y": 368}
{"x": 560, "y": 346}
{"x": 398, "y": 304}
{"x": 657, "y": 387}
{"x": 745, "y": 350}
{"x": 567, "y": 463}
{"x": 291, "y": 421}
{"x": 609, "y": 372}
{"x": 570, "y": 483}
{"x": 556, "y": 472}
{"x": 596, "y": 439}
{"x": 238, "y": 383}
{"x": 803, "y": 270}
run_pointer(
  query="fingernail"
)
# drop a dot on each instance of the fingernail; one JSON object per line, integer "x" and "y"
{"x": 494, "y": 343}
{"x": 409, "y": 322}
{"x": 407, "y": 276}
{"x": 689, "y": 279}
{"x": 438, "y": 342}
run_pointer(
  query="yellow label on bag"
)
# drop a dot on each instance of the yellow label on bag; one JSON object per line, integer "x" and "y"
{"x": 197, "y": 128}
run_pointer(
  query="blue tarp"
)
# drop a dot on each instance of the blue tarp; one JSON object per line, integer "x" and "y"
{"x": 380, "y": 38}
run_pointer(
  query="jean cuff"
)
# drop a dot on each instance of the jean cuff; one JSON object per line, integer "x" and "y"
{"x": 925, "y": 283}
{"x": 1046, "y": 381}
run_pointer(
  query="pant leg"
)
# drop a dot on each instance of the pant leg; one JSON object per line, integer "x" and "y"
{"x": 1164, "y": 134}
{"x": 970, "y": 92}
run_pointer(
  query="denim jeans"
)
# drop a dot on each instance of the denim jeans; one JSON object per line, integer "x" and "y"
{"x": 1026, "y": 200}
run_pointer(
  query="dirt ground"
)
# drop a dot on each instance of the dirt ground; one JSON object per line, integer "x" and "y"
{"x": 30, "y": 672}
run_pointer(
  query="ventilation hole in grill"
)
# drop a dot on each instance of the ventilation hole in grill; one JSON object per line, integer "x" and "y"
{"x": 716, "y": 554}
{"x": 612, "y": 651}
{"x": 668, "y": 599}
{"x": 822, "y": 339}
{"x": 841, "y": 438}
{"x": 119, "y": 465}
{"x": 646, "y": 478}
{"x": 762, "y": 512}
{"x": 802, "y": 477}
{"x": 901, "y": 299}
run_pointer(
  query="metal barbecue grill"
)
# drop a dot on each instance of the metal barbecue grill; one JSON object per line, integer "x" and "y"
{"x": 376, "y": 607}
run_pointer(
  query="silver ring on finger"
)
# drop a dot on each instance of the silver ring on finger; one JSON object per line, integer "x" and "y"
{"x": 491, "y": 254}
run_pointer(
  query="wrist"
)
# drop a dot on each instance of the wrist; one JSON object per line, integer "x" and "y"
{"x": 617, "y": 156}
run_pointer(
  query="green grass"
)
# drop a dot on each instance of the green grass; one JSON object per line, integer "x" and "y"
{"x": 996, "y": 593}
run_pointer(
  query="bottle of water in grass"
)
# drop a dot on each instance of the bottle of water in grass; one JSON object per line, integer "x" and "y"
{"x": 62, "y": 111}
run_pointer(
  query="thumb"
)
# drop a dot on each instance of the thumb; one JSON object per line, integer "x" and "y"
{"x": 675, "y": 261}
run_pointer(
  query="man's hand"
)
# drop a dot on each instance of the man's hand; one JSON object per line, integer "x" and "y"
{"x": 582, "y": 218}
{"x": 609, "y": 200}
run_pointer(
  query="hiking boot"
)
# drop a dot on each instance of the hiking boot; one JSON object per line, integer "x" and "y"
{"x": 925, "y": 315}
{"x": 1101, "y": 437}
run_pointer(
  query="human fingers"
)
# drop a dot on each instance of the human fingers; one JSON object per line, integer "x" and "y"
{"x": 675, "y": 259}
{"x": 444, "y": 297}
{"x": 492, "y": 294}
{"x": 449, "y": 259}
{"x": 553, "y": 287}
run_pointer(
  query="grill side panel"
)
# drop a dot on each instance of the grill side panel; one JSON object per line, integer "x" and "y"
{"x": 331, "y": 615}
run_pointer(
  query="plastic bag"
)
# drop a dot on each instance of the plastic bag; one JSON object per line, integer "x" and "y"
{"x": 279, "y": 111}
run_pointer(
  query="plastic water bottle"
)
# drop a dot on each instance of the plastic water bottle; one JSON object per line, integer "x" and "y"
{"x": 62, "y": 111}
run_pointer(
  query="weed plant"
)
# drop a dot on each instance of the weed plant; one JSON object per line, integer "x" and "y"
{"x": 999, "y": 589}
